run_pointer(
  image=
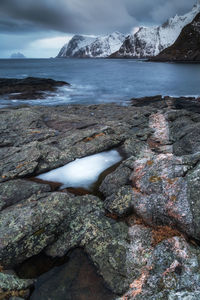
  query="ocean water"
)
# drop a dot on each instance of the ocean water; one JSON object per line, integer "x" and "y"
{"x": 95, "y": 81}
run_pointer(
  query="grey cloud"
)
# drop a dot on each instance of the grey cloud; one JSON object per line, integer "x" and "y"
{"x": 86, "y": 16}
{"x": 157, "y": 11}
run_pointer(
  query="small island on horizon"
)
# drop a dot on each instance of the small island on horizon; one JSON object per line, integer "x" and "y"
{"x": 17, "y": 55}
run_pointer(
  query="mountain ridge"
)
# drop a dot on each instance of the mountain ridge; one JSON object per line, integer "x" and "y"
{"x": 187, "y": 47}
{"x": 145, "y": 43}
{"x": 92, "y": 47}
{"x": 150, "y": 41}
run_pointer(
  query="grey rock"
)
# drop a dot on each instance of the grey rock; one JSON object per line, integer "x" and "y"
{"x": 103, "y": 239}
{"x": 16, "y": 298}
{"x": 172, "y": 270}
{"x": 120, "y": 203}
{"x": 28, "y": 227}
{"x": 17, "y": 190}
{"x": 183, "y": 124}
{"x": 165, "y": 191}
{"x": 13, "y": 283}
{"x": 115, "y": 180}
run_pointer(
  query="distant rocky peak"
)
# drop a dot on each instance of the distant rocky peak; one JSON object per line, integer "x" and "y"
{"x": 150, "y": 41}
{"x": 92, "y": 47}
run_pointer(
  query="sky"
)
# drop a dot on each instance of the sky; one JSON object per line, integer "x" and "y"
{"x": 39, "y": 28}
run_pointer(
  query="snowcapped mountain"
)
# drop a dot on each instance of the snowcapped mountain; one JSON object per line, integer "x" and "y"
{"x": 187, "y": 46}
{"x": 150, "y": 41}
{"x": 92, "y": 47}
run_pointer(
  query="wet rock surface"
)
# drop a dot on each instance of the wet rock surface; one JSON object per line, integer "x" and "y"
{"x": 158, "y": 181}
{"x": 28, "y": 88}
{"x": 76, "y": 279}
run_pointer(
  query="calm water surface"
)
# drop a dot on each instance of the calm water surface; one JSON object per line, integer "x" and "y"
{"x": 104, "y": 80}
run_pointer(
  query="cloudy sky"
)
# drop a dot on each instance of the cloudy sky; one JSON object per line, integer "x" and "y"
{"x": 38, "y": 28}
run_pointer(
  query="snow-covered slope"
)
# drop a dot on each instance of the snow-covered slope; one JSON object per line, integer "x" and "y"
{"x": 187, "y": 46}
{"x": 149, "y": 41}
{"x": 83, "y": 46}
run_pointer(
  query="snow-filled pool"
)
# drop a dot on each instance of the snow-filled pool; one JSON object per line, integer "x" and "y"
{"x": 83, "y": 172}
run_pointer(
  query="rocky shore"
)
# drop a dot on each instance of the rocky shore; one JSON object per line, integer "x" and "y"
{"x": 143, "y": 234}
{"x": 28, "y": 88}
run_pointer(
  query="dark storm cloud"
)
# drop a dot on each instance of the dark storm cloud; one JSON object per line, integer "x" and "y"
{"x": 86, "y": 16}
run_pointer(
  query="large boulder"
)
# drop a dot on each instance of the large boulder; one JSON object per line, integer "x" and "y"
{"x": 171, "y": 272}
{"x": 14, "y": 191}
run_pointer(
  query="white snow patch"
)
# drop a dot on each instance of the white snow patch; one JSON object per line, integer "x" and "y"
{"x": 83, "y": 172}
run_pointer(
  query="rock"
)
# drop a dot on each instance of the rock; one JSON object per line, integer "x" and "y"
{"x": 17, "y": 190}
{"x": 16, "y": 298}
{"x": 116, "y": 179}
{"x": 40, "y": 144}
{"x": 161, "y": 193}
{"x": 103, "y": 239}
{"x": 28, "y": 88}
{"x": 134, "y": 147}
{"x": 154, "y": 101}
{"x": 28, "y": 227}
{"x": 158, "y": 181}
{"x": 76, "y": 279}
{"x": 193, "y": 181}
{"x": 19, "y": 162}
{"x": 172, "y": 270}
{"x": 182, "y": 126}
{"x": 13, "y": 283}
{"x": 188, "y": 103}
{"x": 120, "y": 202}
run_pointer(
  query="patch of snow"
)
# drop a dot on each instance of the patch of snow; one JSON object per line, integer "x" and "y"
{"x": 83, "y": 172}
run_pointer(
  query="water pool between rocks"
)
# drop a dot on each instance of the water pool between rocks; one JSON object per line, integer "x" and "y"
{"x": 84, "y": 172}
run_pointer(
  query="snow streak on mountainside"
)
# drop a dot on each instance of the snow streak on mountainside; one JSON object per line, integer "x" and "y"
{"x": 187, "y": 46}
{"x": 150, "y": 41}
{"x": 83, "y": 46}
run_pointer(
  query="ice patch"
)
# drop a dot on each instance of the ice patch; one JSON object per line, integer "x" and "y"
{"x": 83, "y": 172}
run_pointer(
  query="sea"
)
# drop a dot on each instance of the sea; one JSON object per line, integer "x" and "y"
{"x": 96, "y": 81}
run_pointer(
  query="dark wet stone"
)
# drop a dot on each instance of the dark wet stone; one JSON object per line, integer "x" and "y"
{"x": 77, "y": 280}
{"x": 153, "y": 101}
{"x": 103, "y": 239}
{"x": 190, "y": 104}
{"x": 28, "y": 88}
